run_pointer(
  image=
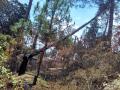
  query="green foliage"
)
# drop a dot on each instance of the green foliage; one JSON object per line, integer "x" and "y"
{"x": 51, "y": 18}
{"x": 4, "y": 43}
{"x": 69, "y": 41}
{"x": 6, "y": 77}
{"x": 5, "y": 74}
{"x": 22, "y": 23}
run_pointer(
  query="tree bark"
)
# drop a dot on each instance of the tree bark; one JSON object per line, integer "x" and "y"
{"x": 105, "y": 29}
{"x": 35, "y": 41}
{"x": 111, "y": 18}
{"x": 3, "y": 3}
{"x": 28, "y": 10}
{"x": 42, "y": 52}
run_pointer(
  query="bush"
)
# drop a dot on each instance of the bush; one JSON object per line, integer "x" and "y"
{"x": 7, "y": 79}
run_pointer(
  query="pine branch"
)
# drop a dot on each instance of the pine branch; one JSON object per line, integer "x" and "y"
{"x": 57, "y": 42}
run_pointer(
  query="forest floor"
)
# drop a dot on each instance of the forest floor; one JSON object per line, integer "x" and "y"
{"x": 97, "y": 70}
{"x": 78, "y": 80}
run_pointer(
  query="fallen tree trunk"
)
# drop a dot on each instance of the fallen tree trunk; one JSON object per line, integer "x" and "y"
{"x": 36, "y": 52}
{"x": 42, "y": 50}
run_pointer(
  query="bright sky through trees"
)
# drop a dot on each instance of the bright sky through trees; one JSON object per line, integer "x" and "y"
{"x": 79, "y": 15}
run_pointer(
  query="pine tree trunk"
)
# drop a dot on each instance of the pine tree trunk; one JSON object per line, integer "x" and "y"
{"x": 111, "y": 17}
{"x": 29, "y": 8}
{"x": 35, "y": 41}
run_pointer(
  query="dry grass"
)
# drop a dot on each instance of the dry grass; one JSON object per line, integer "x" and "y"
{"x": 100, "y": 67}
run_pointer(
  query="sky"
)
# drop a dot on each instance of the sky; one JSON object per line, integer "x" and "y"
{"x": 79, "y": 15}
